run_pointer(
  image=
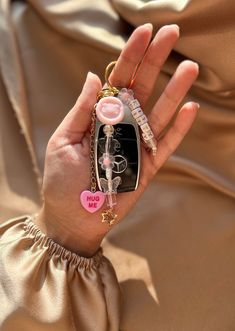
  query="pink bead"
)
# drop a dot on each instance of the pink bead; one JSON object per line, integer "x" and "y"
{"x": 110, "y": 110}
{"x": 106, "y": 161}
{"x": 125, "y": 96}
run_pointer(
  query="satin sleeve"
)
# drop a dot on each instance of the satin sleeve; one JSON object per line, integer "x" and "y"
{"x": 44, "y": 286}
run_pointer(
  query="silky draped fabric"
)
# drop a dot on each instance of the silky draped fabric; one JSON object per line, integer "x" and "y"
{"x": 174, "y": 254}
{"x": 54, "y": 286}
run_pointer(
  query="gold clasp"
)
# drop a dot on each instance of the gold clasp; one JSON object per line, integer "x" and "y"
{"x": 107, "y": 73}
{"x": 111, "y": 90}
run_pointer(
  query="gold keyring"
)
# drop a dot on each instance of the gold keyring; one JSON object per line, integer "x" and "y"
{"x": 107, "y": 73}
{"x": 110, "y": 90}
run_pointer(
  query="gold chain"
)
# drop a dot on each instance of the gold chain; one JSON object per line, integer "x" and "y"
{"x": 107, "y": 215}
{"x": 92, "y": 152}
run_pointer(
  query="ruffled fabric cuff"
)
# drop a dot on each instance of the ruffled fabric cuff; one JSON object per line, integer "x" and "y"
{"x": 44, "y": 286}
{"x": 54, "y": 249}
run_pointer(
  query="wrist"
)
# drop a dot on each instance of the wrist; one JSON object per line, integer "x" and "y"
{"x": 67, "y": 234}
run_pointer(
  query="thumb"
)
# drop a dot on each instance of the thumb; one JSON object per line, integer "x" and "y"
{"x": 76, "y": 122}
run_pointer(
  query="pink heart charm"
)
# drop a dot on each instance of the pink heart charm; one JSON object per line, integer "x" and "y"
{"x": 92, "y": 201}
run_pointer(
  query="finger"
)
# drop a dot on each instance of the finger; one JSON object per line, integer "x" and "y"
{"x": 183, "y": 122}
{"x": 173, "y": 94}
{"x": 77, "y": 121}
{"x": 154, "y": 59}
{"x": 131, "y": 55}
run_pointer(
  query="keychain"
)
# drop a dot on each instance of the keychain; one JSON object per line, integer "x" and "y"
{"x": 115, "y": 152}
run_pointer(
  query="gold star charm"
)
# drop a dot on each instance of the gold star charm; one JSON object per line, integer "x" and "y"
{"x": 108, "y": 216}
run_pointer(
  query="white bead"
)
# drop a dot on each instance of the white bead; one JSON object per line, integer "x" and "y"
{"x": 153, "y": 145}
{"x": 137, "y": 112}
{"x": 134, "y": 104}
{"x": 148, "y": 135}
{"x": 141, "y": 120}
{"x": 145, "y": 127}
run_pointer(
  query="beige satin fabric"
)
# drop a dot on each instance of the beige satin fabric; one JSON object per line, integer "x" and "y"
{"x": 47, "y": 287}
{"x": 174, "y": 254}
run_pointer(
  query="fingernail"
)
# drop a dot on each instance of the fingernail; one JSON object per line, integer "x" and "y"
{"x": 189, "y": 62}
{"x": 195, "y": 104}
{"x": 89, "y": 74}
{"x": 175, "y": 26}
{"x": 172, "y": 26}
{"x": 197, "y": 66}
{"x": 148, "y": 26}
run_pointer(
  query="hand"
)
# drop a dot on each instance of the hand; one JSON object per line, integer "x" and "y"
{"x": 67, "y": 163}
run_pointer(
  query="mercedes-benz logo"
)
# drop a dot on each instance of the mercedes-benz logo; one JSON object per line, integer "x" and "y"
{"x": 120, "y": 164}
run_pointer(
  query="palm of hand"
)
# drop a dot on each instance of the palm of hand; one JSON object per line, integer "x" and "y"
{"x": 67, "y": 174}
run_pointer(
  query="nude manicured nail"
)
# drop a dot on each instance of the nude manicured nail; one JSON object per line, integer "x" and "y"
{"x": 194, "y": 104}
{"x": 89, "y": 74}
{"x": 148, "y": 26}
{"x": 174, "y": 26}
